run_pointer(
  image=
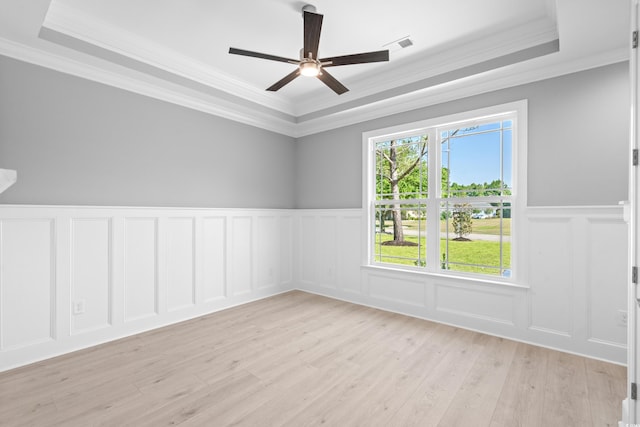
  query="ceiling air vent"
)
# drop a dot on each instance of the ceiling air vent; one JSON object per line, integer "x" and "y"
{"x": 399, "y": 44}
{"x": 406, "y": 42}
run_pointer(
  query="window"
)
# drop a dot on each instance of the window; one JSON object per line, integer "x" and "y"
{"x": 442, "y": 197}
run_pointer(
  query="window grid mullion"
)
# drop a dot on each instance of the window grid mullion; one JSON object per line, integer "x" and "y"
{"x": 433, "y": 214}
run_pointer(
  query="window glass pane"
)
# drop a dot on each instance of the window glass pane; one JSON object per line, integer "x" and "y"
{"x": 507, "y": 155}
{"x": 400, "y": 231}
{"x": 470, "y": 227}
{"x": 476, "y": 237}
{"x": 476, "y": 161}
{"x": 401, "y": 168}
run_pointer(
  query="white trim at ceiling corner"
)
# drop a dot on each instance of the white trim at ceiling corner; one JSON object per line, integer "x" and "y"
{"x": 209, "y": 105}
{"x": 474, "y": 85}
{"x": 447, "y": 58}
{"x": 69, "y": 21}
{"x": 486, "y": 82}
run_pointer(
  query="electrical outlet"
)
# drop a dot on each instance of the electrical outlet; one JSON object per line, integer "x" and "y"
{"x": 622, "y": 318}
{"x": 77, "y": 307}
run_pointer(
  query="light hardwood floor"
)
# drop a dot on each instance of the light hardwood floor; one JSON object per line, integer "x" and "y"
{"x": 298, "y": 359}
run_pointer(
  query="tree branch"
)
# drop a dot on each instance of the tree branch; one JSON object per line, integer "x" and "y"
{"x": 410, "y": 168}
{"x": 385, "y": 155}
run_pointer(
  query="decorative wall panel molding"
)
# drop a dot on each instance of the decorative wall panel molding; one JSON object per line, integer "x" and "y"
{"x": 214, "y": 258}
{"x": 181, "y": 273}
{"x": 27, "y": 281}
{"x": 91, "y": 284}
{"x": 573, "y": 281}
{"x": 74, "y": 277}
{"x": 480, "y": 305}
{"x": 551, "y": 267}
{"x": 141, "y": 296}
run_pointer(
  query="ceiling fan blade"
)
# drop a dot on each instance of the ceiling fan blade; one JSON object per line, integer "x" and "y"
{"x": 286, "y": 79}
{"x": 358, "y": 58}
{"x": 312, "y": 28}
{"x": 252, "y": 54}
{"x": 331, "y": 81}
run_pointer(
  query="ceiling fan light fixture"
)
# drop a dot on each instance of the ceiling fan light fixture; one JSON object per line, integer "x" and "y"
{"x": 309, "y": 68}
{"x": 310, "y": 64}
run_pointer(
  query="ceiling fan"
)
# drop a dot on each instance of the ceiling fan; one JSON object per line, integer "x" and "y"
{"x": 309, "y": 64}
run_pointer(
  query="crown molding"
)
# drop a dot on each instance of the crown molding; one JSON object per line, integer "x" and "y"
{"x": 486, "y": 82}
{"x": 69, "y": 21}
{"x": 475, "y": 85}
{"x": 453, "y": 56}
{"x": 91, "y": 30}
{"x": 159, "y": 90}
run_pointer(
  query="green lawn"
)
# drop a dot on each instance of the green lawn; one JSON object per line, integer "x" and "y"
{"x": 480, "y": 226}
{"x": 479, "y": 252}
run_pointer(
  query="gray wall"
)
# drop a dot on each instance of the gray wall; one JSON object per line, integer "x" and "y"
{"x": 577, "y": 144}
{"x": 77, "y": 142}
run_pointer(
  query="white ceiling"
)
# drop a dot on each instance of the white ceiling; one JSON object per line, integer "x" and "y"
{"x": 177, "y": 50}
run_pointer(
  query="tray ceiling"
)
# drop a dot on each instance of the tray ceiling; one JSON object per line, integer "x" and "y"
{"x": 178, "y": 50}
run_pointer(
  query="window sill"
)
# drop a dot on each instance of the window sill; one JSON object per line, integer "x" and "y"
{"x": 452, "y": 277}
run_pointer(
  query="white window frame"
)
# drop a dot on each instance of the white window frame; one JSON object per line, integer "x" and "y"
{"x": 518, "y": 197}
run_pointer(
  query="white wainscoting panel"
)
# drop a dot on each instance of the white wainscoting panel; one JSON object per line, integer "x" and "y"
{"x": 286, "y": 250}
{"x": 267, "y": 255}
{"x": 327, "y": 254}
{"x": 136, "y": 269}
{"x": 569, "y": 291}
{"x": 480, "y": 305}
{"x": 73, "y": 277}
{"x": 606, "y": 279}
{"x": 349, "y": 256}
{"x": 91, "y": 279}
{"x": 241, "y": 256}
{"x": 140, "y": 268}
{"x": 394, "y": 289}
{"x": 180, "y": 263}
{"x": 307, "y": 249}
{"x": 551, "y": 264}
{"x": 27, "y": 287}
{"x": 214, "y": 259}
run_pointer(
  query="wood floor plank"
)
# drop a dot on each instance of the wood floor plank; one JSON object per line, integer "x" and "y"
{"x": 337, "y": 405}
{"x": 522, "y": 398}
{"x": 605, "y": 383}
{"x": 293, "y": 400}
{"x": 566, "y": 399}
{"x": 441, "y": 380}
{"x": 300, "y": 359}
{"x": 476, "y": 400}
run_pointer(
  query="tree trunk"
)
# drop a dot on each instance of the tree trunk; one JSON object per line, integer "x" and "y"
{"x": 398, "y": 233}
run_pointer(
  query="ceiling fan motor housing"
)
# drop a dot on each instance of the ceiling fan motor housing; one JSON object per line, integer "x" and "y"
{"x": 309, "y": 63}
{"x": 308, "y": 8}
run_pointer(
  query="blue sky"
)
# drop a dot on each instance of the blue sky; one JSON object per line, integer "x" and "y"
{"x": 475, "y": 158}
